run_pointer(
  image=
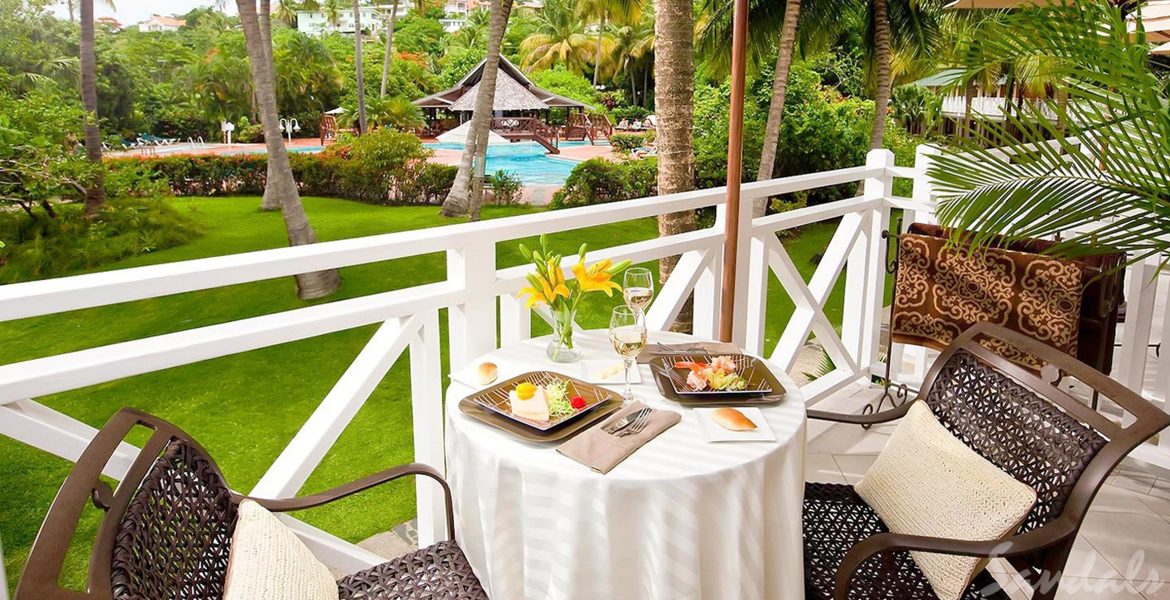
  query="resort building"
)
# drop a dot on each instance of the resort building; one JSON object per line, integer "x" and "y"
{"x": 316, "y": 22}
{"x": 159, "y": 23}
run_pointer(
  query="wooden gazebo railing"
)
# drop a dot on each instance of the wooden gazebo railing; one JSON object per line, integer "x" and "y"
{"x": 527, "y": 128}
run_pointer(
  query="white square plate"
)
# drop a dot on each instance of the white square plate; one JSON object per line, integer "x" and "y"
{"x": 607, "y": 371}
{"x": 714, "y": 432}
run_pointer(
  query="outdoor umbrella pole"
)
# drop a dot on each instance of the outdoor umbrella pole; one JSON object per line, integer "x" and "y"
{"x": 734, "y": 168}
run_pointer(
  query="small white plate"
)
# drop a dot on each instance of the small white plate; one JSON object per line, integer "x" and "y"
{"x": 608, "y": 371}
{"x": 714, "y": 432}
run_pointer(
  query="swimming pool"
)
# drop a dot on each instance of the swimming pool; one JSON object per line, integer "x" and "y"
{"x": 527, "y": 160}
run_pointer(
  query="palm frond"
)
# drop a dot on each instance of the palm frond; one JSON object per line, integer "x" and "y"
{"x": 1092, "y": 169}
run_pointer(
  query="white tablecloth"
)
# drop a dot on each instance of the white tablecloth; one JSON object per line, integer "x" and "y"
{"x": 680, "y": 519}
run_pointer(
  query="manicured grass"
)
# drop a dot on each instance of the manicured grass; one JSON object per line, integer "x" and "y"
{"x": 245, "y": 408}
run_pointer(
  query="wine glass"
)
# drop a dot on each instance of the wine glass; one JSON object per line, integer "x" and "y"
{"x": 638, "y": 289}
{"x": 627, "y": 332}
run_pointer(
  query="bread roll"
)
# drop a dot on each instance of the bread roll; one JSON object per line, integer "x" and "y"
{"x": 730, "y": 418}
{"x": 487, "y": 373}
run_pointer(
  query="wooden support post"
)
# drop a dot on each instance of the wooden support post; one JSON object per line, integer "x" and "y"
{"x": 730, "y": 308}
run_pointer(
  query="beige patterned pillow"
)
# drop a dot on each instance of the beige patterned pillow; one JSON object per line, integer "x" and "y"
{"x": 268, "y": 561}
{"x": 927, "y": 482}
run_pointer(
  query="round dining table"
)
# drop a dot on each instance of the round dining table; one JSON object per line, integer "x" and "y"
{"x": 681, "y": 518}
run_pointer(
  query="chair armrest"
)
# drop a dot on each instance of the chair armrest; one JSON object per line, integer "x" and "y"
{"x": 360, "y": 485}
{"x": 877, "y": 418}
{"x": 1048, "y": 535}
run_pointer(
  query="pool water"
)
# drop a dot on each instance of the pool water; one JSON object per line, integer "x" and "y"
{"x": 527, "y": 160}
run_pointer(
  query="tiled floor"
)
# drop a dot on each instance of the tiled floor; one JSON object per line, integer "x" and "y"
{"x": 1124, "y": 547}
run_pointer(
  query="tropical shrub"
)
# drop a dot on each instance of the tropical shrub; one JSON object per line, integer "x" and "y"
{"x": 505, "y": 188}
{"x": 37, "y": 246}
{"x": 597, "y": 181}
{"x": 916, "y": 108}
{"x": 627, "y": 142}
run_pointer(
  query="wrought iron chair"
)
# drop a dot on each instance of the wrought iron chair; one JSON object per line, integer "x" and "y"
{"x": 166, "y": 531}
{"x": 1017, "y": 419}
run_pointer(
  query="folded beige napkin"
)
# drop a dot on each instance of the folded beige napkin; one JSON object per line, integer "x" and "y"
{"x": 652, "y": 351}
{"x": 602, "y": 451}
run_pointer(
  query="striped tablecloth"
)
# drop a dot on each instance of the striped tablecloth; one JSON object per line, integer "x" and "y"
{"x": 680, "y": 519}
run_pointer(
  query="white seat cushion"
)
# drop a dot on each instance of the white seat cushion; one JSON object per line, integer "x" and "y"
{"x": 927, "y": 482}
{"x": 268, "y": 562}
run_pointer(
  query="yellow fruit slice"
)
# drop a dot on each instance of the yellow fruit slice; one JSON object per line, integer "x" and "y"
{"x": 525, "y": 391}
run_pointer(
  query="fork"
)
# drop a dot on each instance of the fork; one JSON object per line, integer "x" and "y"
{"x": 638, "y": 425}
{"x": 627, "y": 421}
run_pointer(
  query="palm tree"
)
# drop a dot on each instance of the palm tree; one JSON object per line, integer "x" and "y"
{"x": 357, "y": 62}
{"x": 620, "y": 12}
{"x": 473, "y": 33}
{"x": 560, "y": 37}
{"x": 396, "y": 112}
{"x": 95, "y": 193}
{"x": 906, "y": 29}
{"x": 389, "y": 48}
{"x": 466, "y": 193}
{"x": 883, "y": 82}
{"x": 286, "y": 12}
{"x": 632, "y": 45}
{"x": 1096, "y": 173}
{"x": 332, "y": 10}
{"x": 280, "y": 184}
{"x": 674, "y": 72}
{"x": 776, "y": 22}
{"x": 71, "y": 6}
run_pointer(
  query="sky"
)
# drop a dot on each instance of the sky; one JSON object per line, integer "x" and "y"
{"x": 129, "y": 12}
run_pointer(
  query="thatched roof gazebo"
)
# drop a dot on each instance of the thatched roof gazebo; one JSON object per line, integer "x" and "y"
{"x": 516, "y": 96}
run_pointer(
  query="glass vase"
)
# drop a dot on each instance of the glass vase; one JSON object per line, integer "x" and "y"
{"x": 561, "y": 349}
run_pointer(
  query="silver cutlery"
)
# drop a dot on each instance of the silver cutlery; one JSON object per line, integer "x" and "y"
{"x": 626, "y": 421}
{"x": 637, "y": 426}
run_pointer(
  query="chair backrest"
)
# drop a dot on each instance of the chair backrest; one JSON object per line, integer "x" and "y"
{"x": 175, "y": 537}
{"x": 167, "y": 529}
{"x": 1030, "y": 427}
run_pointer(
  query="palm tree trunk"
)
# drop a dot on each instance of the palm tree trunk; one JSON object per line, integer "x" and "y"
{"x": 69, "y": 3}
{"x": 776, "y": 106}
{"x": 281, "y": 184}
{"x": 270, "y": 201}
{"x": 466, "y": 193}
{"x": 646, "y": 85}
{"x": 633, "y": 86}
{"x": 674, "y": 75}
{"x": 357, "y": 61}
{"x": 389, "y": 45}
{"x": 95, "y": 193}
{"x": 881, "y": 43}
{"x": 597, "y": 55}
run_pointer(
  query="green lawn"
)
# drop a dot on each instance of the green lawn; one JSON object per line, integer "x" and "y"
{"x": 245, "y": 408}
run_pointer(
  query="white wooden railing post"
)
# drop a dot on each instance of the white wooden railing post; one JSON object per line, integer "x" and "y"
{"x": 426, "y": 393}
{"x": 743, "y": 261}
{"x": 472, "y": 322}
{"x": 865, "y": 274}
{"x": 757, "y": 291}
{"x": 1141, "y": 288}
{"x": 923, "y": 212}
{"x": 515, "y": 320}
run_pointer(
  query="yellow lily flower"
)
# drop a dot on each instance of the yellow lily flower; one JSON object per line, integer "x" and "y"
{"x": 534, "y": 296}
{"x": 596, "y": 278}
{"x": 555, "y": 284}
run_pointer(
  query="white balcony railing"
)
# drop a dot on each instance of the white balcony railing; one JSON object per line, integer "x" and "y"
{"x": 479, "y": 296}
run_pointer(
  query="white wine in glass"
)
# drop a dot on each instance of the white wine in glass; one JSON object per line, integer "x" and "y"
{"x": 627, "y": 332}
{"x": 638, "y": 288}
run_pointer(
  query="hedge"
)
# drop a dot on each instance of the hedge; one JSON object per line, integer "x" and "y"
{"x": 381, "y": 167}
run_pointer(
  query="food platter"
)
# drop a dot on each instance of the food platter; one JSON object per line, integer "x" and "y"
{"x": 760, "y": 386}
{"x": 589, "y": 402}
